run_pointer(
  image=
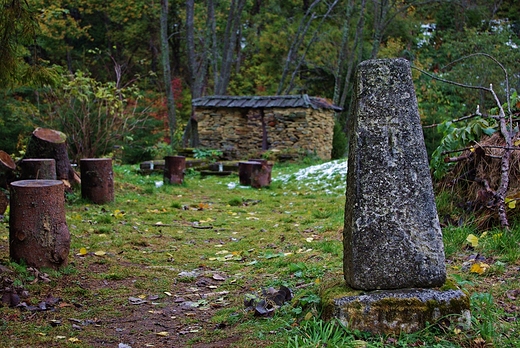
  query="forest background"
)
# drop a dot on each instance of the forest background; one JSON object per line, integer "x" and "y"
{"x": 122, "y": 74}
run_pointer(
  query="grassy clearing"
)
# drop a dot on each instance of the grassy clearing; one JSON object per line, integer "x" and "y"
{"x": 193, "y": 253}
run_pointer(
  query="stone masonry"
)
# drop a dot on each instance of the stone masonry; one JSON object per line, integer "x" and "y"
{"x": 287, "y": 129}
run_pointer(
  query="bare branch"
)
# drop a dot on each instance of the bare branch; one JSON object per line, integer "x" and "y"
{"x": 449, "y": 81}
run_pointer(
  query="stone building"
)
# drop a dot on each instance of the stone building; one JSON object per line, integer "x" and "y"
{"x": 246, "y": 125}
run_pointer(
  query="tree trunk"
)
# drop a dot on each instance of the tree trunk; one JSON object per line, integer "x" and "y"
{"x": 97, "y": 180}
{"x": 230, "y": 40}
{"x": 198, "y": 68}
{"x": 296, "y": 43}
{"x": 49, "y": 143}
{"x": 167, "y": 75}
{"x": 38, "y": 169}
{"x": 38, "y": 232}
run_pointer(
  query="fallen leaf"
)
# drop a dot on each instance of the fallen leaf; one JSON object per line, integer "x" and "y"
{"x": 473, "y": 240}
{"x": 162, "y": 333}
{"x": 82, "y": 252}
{"x": 218, "y": 277}
{"x": 100, "y": 253}
{"x": 479, "y": 267}
{"x": 74, "y": 340}
{"x": 136, "y": 300}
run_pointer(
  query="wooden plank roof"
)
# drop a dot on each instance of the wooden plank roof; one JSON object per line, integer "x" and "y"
{"x": 264, "y": 102}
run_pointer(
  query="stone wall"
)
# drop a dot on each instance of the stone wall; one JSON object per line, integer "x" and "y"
{"x": 291, "y": 129}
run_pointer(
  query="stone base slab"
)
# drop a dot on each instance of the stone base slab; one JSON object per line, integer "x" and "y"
{"x": 406, "y": 310}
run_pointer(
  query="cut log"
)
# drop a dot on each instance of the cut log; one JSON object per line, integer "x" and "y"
{"x": 4, "y": 202}
{"x": 6, "y": 162}
{"x": 38, "y": 232}
{"x": 97, "y": 183}
{"x": 269, "y": 166}
{"x": 244, "y": 172}
{"x": 7, "y": 167}
{"x": 49, "y": 143}
{"x": 174, "y": 167}
{"x": 260, "y": 174}
{"x": 38, "y": 169}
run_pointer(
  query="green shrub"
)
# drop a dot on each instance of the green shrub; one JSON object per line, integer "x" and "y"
{"x": 339, "y": 142}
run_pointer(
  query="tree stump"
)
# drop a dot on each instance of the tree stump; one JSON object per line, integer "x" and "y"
{"x": 38, "y": 232}
{"x": 4, "y": 202}
{"x": 265, "y": 163}
{"x": 49, "y": 143}
{"x": 174, "y": 167}
{"x": 244, "y": 172}
{"x": 260, "y": 174}
{"x": 97, "y": 184}
{"x": 38, "y": 169}
{"x": 7, "y": 167}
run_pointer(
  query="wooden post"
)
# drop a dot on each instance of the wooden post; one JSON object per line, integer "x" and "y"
{"x": 38, "y": 168}
{"x": 97, "y": 180}
{"x": 38, "y": 232}
{"x": 174, "y": 167}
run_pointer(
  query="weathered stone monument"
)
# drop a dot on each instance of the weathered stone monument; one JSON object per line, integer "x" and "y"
{"x": 393, "y": 247}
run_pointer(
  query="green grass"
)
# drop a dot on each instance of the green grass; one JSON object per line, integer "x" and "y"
{"x": 287, "y": 234}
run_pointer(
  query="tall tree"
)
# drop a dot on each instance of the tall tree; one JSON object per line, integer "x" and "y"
{"x": 18, "y": 28}
{"x": 167, "y": 75}
{"x": 230, "y": 39}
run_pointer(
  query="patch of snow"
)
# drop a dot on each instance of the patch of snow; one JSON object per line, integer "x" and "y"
{"x": 329, "y": 177}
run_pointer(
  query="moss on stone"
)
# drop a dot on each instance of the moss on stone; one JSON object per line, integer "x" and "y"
{"x": 332, "y": 290}
{"x": 449, "y": 284}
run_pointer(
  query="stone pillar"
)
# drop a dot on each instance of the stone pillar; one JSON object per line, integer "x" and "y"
{"x": 38, "y": 168}
{"x": 392, "y": 236}
{"x": 38, "y": 232}
{"x": 392, "y": 240}
{"x": 174, "y": 167}
{"x": 97, "y": 180}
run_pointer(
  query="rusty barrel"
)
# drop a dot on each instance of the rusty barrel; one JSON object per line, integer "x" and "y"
{"x": 38, "y": 169}
{"x": 174, "y": 168}
{"x": 97, "y": 180}
{"x": 38, "y": 232}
